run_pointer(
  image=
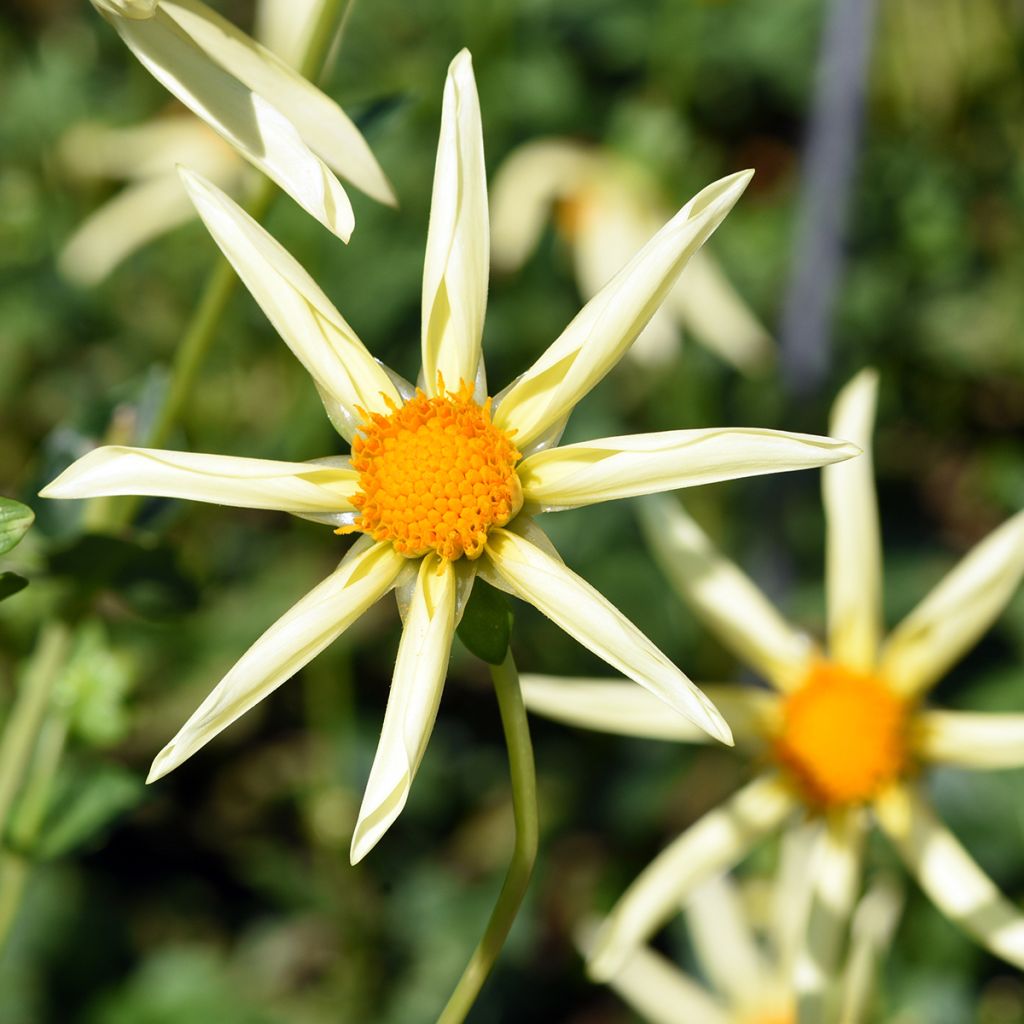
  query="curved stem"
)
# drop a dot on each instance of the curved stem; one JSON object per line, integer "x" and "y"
{"x": 524, "y": 807}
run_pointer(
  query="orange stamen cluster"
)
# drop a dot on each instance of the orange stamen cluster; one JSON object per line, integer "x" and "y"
{"x": 843, "y": 736}
{"x": 435, "y": 474}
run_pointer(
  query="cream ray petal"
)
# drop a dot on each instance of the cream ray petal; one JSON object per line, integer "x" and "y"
{"x": 948, "y": 622}
{"x": 791, "y": 895}
{"x": 365, "y": 574}
{"x": 715, "y": 843}
{"x": 970, "y": 739}
{"x": 248, "y": 121}
{"x": 853, "y": 563}
{"x": 297, "y": 487}
{"x": 949, "y": 874}
{"x": 624, "y": 467}
{"x": 835, "y": 872}
{"x": 512, "y": 562}
{"x": 304, "y": 317}
{"x": 416, "y": 688}
{"x": 623, "y": 708}
{"x": 604, "y": 329}
{"x": 456, "y": 265}
{"x": 723, "y": 596}
{"x": 323, "y": 125}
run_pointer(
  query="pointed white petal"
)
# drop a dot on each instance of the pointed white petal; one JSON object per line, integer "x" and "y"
{"x": 624, "y": 467}
{"x": 365, "y": 574}
{"x": 298, "y": 487}
{"x": 621, "y": 707}
{"x": 416, "y": 687}
{"x": 321, "y": 123}
{"x": 304, "y": 317}
{"x": 248, "y": 121}
{"x": 715, "y": 843}
{"x": 605, "y": 328}
{"x": 949, "y": 875}
{"x": 723, "y": 596}
{"x": 284, "y": 28}
{"x": 835, "y": 880}
{"x": 948, "y": 622}
{"x": 514, "y": 564}
{"x": 853, "y": 564}
{"x": 970, "y": 739}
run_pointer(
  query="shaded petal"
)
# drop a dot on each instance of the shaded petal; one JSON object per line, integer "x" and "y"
{"x": 624, "y": 467}
{"x": 605, "y": 328}
{"x": 416, "y": 687}
{"x": 322, "y": 124}
{"x": 835, "y": 873}
{"x": 948, "y": 622}
{"x": 723, "y": 596}
{"x": 304, "y": 317}
{"x": 949, "y": 875}
{"x": 365, "y": 574}
{"x": 516, "y": 565}
{"x": 791, "y": 895}
{"x": 970, "y": 739}
{"x": 622, "y": 708}
{"x": 457, "y": 260}
{"x": 715, "y": 843}
{"x": 248, "y": 121}
{"x": 298, "y": 487}
{"x": 853, "y": 563}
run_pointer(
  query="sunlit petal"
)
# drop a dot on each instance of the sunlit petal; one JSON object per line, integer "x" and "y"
{"x": 948, "y": 622}
{"x": 970, "y": 739}
{"x": 874, "y": 922}
{"x": 723, "y": 596}
{"x": 513, "y": 563}
{"x": 622, "y": 467}
{"x": 365, "y": 574}
{"x": 605, "y": 328}
{"x": 853, "y": 565}
{"x": 456, "y": 266}
{"x": 715, "y": 843}
{"x": 412, "y": 705}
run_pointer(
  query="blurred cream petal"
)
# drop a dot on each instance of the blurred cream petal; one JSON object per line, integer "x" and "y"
{"x": 456, "y": 265}
{"x": 293, "y": 302}
{"x": 715, "y": 843}
{"x": 604, "y": 329}
{"x": 834, "y": 878}
{"x": 791, "y": 895}
{"x": 623, "y": 467}
{"x": 874, "y": 923}
{"x": 123, "y": 225}
{"x": 297, "y": 487}
{"x": 970, "y": 739}
{"x": 416, "y": 688}
{"x": 949, "y": 875}
{"x": 853, "y": 563}
{"x": 247, "y": 120}
{"x": 722, "y": 596}
{"x": 284, "y": 27}
{"x": 365, "y": 574}
{"x": 724, "y": 943}
{"x": 623, "y": 708}
{"x": 140, "y": 9}
{"x": 948, "y": 622}
{"x": 528, "y": 183}
{"x": 323, "y": 126}
{"x": 512, "y": 563}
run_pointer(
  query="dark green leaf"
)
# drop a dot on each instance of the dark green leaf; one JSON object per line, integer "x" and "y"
{"x": 486, "y": 623}
{"x": 15, "y": 519}
{"x": 11, "y": 583}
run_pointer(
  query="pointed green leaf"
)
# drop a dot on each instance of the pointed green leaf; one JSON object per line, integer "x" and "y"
{"x": 15, "y": 519}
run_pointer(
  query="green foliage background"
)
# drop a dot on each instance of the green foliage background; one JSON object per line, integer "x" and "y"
{"x": 224, "y": 893}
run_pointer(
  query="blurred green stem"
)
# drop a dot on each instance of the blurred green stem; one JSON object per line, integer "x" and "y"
{"x": 524, "y": 805}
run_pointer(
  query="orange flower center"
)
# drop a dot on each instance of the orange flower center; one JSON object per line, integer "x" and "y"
{"x": 843, "y": 736}
{"x": 434, "y": 474}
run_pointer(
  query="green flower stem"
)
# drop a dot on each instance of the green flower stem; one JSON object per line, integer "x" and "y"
{"x": 524, "y": 805}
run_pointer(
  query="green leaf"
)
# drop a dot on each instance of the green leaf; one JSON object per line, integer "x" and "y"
{"x": 11, "y": 583}
{"x": 486, "y": 623}
{"x": 15, "y": 519}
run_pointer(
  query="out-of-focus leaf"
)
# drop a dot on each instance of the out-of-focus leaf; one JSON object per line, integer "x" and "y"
{"x": 15, "y": 519}
{"x": 486, "y": 623}
{"x": 11, "y": 583}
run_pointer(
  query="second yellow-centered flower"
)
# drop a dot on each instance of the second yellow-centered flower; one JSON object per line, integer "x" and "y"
{"x": 444, "y": 483}
{"x": 843, "y": 734}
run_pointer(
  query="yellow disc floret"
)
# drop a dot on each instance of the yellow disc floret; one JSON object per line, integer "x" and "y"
{"x": 435, "y": 474}
{"x": 843, "y": 736}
